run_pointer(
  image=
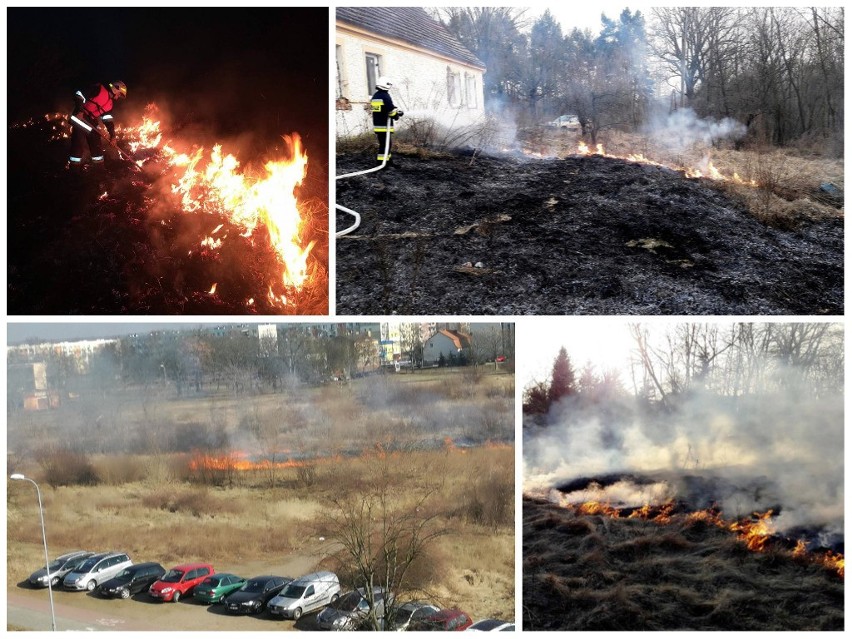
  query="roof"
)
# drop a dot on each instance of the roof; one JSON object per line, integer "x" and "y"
{"x": 412, "y": 25}
{"x": 460, "y": 340}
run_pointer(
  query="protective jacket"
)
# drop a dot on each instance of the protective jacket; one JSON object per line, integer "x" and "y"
{"x": 96, "y": 104}
{"x": 91, "y": 107}
{"x": 384, "y": 115}
{"x": 383, "y": 109}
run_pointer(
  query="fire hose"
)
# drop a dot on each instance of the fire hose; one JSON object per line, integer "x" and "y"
{"x": 355, "y": 214}
{"x": 88, "y": 127}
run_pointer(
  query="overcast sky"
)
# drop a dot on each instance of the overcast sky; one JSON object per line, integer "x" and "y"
{"x": 17, "y": 333}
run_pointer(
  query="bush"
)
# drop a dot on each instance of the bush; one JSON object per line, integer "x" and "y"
{"x": 62, "y": 467}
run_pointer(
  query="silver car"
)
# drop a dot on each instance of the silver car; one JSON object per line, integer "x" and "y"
{"x": 350, "y": 610}
{"x": 55, "y": 572}
{"x": 306, "y": 594}
{"x": 95, "y": 570}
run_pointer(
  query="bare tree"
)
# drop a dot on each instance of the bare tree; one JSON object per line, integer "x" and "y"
{"x": 383, "y": 534}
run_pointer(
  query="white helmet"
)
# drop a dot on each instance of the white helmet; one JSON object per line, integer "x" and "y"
{"x": 384, "y": 83}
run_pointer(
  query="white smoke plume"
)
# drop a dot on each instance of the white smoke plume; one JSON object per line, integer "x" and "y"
{"x": 782, "y": 451}
{"x": 683, "y": 129}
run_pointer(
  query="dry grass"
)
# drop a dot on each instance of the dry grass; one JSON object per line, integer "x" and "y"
{"x": 472, "y": 566}
{"x": 780, "y": 187}
{"x": 596, "y": 573}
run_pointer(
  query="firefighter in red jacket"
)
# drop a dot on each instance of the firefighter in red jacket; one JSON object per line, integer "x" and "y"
{"x": 91, "y": 109}
{"x": 384, "y": 115}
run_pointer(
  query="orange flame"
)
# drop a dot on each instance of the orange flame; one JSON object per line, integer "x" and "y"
{"x": 216, "y": 183}
{"x": 706, "y": 168}
{"x": 756, "y": 532}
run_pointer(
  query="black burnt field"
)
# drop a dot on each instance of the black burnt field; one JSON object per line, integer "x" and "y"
{"x": 580, "y": 235}
{"x": 594, "y": 572}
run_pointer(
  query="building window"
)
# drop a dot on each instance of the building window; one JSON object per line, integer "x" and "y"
{"x": 453, "y": 88}
{"x": 373, "y": 72}
{"x": 470, "y": 90}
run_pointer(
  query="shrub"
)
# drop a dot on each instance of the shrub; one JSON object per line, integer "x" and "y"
{"x": 63, "y": 467}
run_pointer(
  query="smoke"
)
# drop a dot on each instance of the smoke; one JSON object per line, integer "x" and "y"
{"x": 683, "y": 129}
{"x": 779, "y": 451}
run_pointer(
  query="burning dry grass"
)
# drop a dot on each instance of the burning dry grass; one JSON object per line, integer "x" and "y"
{"x": 594, "y": 572}
{"x": 172, "y": 227}
{"x": 779, "y": 187}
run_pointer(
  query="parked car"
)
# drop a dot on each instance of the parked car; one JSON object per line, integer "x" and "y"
{"x": 56, "y": 570}
{"x": 447, "y": 619}
{"x": 132, "y": 580}
{"x": 306, "y": 594}
{"x": 571, "y": 122}
{"x": 180, "y": 581}
{"x": 412, "y": 612}
{"x": 96, "y": 570}
{"x": 492, "y": 625}
{"x": 252, "y": 598}
{"x": 351, "y": 609}
{"x": 218, "y": 586}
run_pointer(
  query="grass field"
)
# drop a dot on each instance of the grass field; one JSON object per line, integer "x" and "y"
{"x": 157, "y": 507}
{"x": 593, "y": 572}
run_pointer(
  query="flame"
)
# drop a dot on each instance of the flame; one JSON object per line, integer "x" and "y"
{"x": 239, "y": 461}
{"x": 212, "y": 290}
{"x": 756, "y": 532}
{"x": 216, "y": 183}
{"x": 833, "y": 561}
{"x": 706, "y": 168}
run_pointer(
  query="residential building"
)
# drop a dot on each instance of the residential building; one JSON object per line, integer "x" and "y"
{"x": 435, "y": 77}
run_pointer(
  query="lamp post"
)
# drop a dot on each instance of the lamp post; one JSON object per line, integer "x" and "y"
{"x": 20, "y": 477}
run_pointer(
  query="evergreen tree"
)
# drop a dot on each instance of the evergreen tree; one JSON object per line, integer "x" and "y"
{"x": 562, "y": 382}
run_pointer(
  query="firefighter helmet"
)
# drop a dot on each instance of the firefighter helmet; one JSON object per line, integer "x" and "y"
{"x": 118, "y": 87}
{"x": 384, "y": 83}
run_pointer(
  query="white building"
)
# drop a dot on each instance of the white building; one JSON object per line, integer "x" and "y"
{"x": 447, "y": 343}
{"x": 434, "y": 76}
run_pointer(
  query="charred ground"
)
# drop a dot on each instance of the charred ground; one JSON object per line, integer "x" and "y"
{"x": 580, "y": 235}
{"x": 598, "y": 573}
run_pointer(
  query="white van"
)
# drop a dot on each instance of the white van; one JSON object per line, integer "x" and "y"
{"x": 96, "y": 570}
{"x": 306, "y": 594}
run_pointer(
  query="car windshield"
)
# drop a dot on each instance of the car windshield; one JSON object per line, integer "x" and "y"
{"x": 211, "y": 581}
{"x": 87, "y": 565}
{"x": 54, "y": 565}
{"x": 255, "y": 585}
{"x": 403, "y": 615}
{"x": 348, "y": 602}
{"x": 488, "y": 624}
{"x": 294, "y": 592}
{"x": 127, "y": 572}
{"x": 173, "y": 576}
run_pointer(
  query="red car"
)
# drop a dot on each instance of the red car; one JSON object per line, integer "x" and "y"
{"x": 180, "y": 581}
{"x": 447, "y": 619}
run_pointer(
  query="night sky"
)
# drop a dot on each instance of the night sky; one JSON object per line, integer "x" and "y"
{"x": 229, "y": 71}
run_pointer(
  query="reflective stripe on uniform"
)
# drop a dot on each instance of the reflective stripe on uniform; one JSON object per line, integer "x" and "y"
{"x": 107, "y": 117}
{"x": 392, "y": 114}
{"x": 382, "y": 129}
{"x": 383, "y": 157}
{"x": 80, "y": 123}
{"x": 80, "y": 93}
{"x": 377, "y": 105}
{"x": 73, "y": 159}
{"x": 97, "y": 158}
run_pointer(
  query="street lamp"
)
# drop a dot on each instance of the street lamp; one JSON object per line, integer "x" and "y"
{"x": 20, "y": 477}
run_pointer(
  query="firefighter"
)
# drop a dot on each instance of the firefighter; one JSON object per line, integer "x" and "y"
{"x": 384, "y": 115}
{"x": 92, "y": 109}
